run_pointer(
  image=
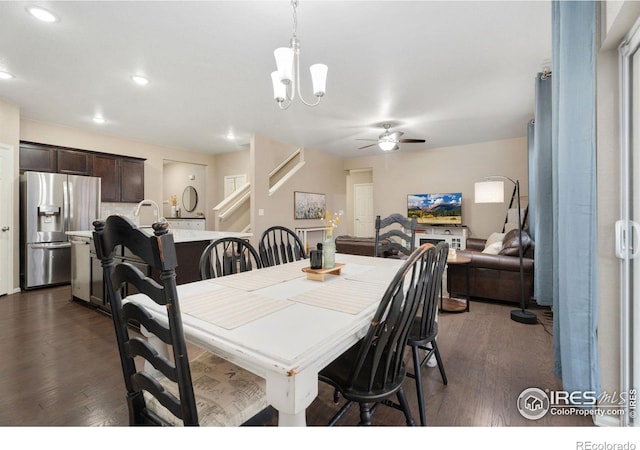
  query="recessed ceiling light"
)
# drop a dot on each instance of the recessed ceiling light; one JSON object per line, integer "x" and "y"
{"x": 42, "y": 14}
{"x": 230, "y": 136}
{"x": 140, "y": 80}
{"x": 5, "y": 75}
{"x": 98, "y": 119}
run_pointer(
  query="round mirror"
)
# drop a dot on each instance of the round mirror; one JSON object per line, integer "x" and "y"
{"x": 189, "y": 198}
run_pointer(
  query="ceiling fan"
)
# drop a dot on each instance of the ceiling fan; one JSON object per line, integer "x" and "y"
{"x": 389, "y": 140}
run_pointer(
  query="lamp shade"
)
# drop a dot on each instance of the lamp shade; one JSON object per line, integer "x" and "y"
{"x": 284, "y": 63}
{"x": 319, "y": 79}
{"x": 489, "y": 192}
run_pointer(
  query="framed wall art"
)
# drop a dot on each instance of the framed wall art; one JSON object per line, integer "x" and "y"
{"x": 307, "y": 205}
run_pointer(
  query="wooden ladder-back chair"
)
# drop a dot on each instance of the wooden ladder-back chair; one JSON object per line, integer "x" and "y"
{"x": 424, "y": 331}
{"x": 175, "y": 391}
{"x": 227, "y": 256}
{"x": 385, "y": 239}
{"x": 280, "y": 245}
{"x": 373, "y": 370}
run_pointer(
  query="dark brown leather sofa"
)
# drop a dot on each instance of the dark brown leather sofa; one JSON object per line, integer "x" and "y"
{"x": 494, "y": 277}
{"x": 364, "y": 246}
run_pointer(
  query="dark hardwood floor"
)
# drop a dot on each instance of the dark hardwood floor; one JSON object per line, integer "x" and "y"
{"x": 60, "y": 367}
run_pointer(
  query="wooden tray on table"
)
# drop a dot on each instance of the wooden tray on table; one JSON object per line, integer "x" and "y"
{"x": 319, "y": 274}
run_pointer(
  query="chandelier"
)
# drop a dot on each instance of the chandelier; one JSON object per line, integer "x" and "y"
{"x": 286, "y": 80}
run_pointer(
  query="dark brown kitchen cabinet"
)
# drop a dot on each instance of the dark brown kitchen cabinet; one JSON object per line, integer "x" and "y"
{"x": 122, "y": 177}
{"x": 37, "y": 157}
{"x": 108, "y": 169}
{"x": 75, "y": 162}
{"x": 132, "y": 180}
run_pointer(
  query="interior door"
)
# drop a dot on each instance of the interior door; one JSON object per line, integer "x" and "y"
{"x": 363, "y": 210}
{"x": 6, "y": 218}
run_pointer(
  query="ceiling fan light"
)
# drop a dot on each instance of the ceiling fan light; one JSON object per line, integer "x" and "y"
{"x": 279, "y": 89}
{"x": 42, "y": 14}
{"x": 319, "y": 79}
{"x": 284, "y": 63}
{"x": 386, "y": 146}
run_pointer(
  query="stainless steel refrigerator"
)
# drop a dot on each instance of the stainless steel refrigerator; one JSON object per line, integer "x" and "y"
{"x": 52, "y": 204}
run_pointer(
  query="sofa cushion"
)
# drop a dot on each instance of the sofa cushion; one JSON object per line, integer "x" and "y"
{"x": 360, "y": 246}
{"x": 493, "y": 248}
{"x": 510, "y": 243}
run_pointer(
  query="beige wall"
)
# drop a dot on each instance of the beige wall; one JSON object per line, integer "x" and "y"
{"x": 608, "y": 198}
{"x": 448, "y": 169}
{"x": 322, "y": 173}
{"x": 227, "y": 164}
{"x": 176, "y": 179}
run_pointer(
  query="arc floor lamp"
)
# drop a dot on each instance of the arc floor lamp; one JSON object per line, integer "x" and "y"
{"x": 489, "y": 191}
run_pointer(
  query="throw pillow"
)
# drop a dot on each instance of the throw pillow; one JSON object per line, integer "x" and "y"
{"x": 493, "y": 249}
{"x": 495, "y": 237}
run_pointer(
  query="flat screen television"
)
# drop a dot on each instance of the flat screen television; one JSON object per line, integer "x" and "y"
{"x": 435, "y": 209}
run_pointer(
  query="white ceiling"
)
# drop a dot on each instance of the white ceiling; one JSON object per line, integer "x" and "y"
{"x": 451, "y": 72}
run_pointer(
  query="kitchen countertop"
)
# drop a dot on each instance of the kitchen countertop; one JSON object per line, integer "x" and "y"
{"x": 180, "y": 235}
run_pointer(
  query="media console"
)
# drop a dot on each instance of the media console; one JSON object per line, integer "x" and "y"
{"x": 456, "y": 237}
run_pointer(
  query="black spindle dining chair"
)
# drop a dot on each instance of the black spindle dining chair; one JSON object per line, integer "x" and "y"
{"x": 424, "y": 331}
{"x": 280, "y": 245}
{"x": 373, "y": 369}
{"x": 227, "y": 256}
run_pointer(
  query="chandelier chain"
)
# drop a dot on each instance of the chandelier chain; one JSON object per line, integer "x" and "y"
{"x": 294, "y": 5}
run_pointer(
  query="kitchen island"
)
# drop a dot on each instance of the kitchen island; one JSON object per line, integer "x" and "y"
{"x": 86, "y": 271}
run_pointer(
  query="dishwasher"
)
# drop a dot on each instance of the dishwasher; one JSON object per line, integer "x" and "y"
{"x": 80, "y": 268}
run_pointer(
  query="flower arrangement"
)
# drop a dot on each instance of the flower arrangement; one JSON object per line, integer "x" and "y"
{"x": 330, "y": 221}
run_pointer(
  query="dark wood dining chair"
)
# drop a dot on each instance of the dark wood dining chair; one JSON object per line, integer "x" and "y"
{"x": 424, "y": 331}
{"x": 227, "y": 256}
{"x": 373, "y": 369}
{"x": 399, "y": 227}
{"x": 167, "y": 391}
{"x": 280, "y": 245}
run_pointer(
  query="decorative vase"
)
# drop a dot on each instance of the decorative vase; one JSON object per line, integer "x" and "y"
{"x": 329, "y": 250}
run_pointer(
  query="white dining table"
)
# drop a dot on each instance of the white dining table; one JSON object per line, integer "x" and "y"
{"x": 282, "y": 326}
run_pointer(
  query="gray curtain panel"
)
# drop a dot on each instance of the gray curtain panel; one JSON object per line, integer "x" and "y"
{"x": 574, "y": 182}
{"x": 541, "y": 192}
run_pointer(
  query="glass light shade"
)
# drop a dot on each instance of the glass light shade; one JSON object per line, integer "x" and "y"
{"x": 319, "y": 79}
{"x": 279, "y": 89}
{"x": 489, "y": 192}
{"x": 284, "y": 63}
{"x": 387, "y": 145}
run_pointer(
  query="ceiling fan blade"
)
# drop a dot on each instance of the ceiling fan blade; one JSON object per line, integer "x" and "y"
{"x": 411, "y": 140}
{"x": 367, "y": 146}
